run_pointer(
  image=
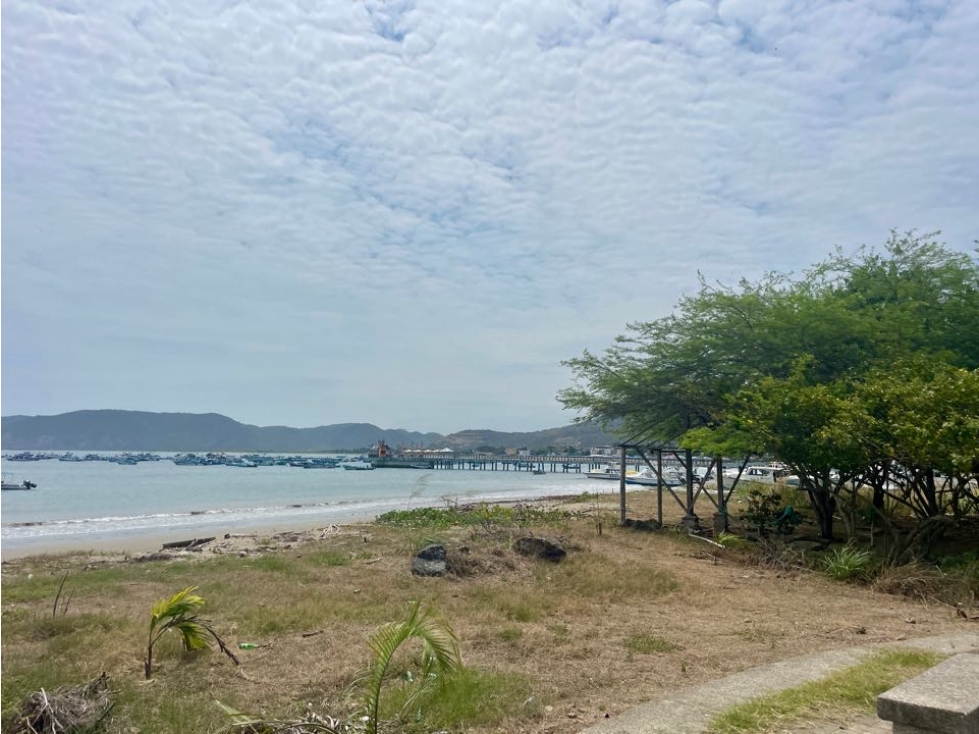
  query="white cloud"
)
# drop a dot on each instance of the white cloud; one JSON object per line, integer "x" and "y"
{"x": 269, "y": 211}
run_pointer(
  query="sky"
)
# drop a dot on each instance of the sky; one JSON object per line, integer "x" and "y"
{"x": 409, "y": 213}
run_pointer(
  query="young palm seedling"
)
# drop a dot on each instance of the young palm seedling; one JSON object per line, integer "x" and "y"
{"x": 179, "y": 613}
{"x": 439, "y": 658}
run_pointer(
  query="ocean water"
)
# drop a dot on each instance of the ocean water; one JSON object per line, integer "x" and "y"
{"x": 78, "y": 503}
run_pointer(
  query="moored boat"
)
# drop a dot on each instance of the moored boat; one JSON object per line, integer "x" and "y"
{"x": 647, "y": 478}
{"x": 5, "y": 484}
{"x": 609, "y": 472}
{"x": 357, "y": 465}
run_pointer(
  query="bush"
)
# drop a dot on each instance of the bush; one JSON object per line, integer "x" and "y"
{"x": 767, "y": 513}
{"x": 849, "y": 564}
{"x": 959, "y": 585}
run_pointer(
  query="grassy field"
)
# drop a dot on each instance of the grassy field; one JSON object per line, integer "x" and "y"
{"x": 625, "y": 618}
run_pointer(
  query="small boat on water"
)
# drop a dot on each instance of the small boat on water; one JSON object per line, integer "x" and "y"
{"x": 609, "y": 472}
{"x": 357, "y": 465}
{"x": 6, "y": 484}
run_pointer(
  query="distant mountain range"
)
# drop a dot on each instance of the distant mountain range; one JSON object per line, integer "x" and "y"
{"x": 127, "y": 430}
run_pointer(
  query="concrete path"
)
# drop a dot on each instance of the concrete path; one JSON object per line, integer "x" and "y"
{"x": 688, "y": 711}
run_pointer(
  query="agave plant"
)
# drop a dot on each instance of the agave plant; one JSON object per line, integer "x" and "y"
{"x": 179, "y": 613}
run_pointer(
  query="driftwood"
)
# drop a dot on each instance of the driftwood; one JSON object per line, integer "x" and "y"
{"x": 192, "y": 543}
{"x": 66, "y": 710}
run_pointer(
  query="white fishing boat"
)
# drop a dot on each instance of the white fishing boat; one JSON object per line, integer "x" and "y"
{"x": 609, "y": 472}
{"x": 762, "y": 474}
{"x": 647, "y": 477}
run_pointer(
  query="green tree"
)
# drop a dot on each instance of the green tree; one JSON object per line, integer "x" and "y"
{"x": 769, "y": 367}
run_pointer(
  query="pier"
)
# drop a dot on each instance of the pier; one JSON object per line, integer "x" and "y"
{"x": 481, "y": 462}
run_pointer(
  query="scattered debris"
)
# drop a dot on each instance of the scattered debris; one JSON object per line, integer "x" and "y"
{"x": 66, "y": 710}
{"x": 189, "y": 544}
{"x": 542, "y": 548}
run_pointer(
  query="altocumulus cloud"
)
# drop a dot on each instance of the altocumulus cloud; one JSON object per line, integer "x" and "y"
{"x": 410, "y": 212}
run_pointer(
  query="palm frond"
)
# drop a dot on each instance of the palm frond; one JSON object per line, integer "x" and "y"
{"x": 179, "y": 613}
{"x": 183, "y": 603}
{"x": 440, "y": 656}
{"x": 193, "y": 634}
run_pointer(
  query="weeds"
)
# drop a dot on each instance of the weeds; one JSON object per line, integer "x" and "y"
{"x": 959, "y": 585}
{"x": 854, "y": 688}
{"x": 439, "y": 660}
{"x": 849, "y": 564}
{"x": 471, "y": 515}
{"x": 57, "y": 598}
{"x": 647, "y": 644}
{"x": 469, "y": 698}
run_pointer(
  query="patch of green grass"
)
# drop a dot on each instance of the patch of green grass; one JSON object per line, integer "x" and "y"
{"x": 327, "y": 557}
{"x": 274, "y": 563}
{"x": 45, "y": 586}
{"x": 514, "y": 604}
{"x": 560, "y": 631}
{"x": 647, "y": 644}
{"x": 471, "y": 515}
{"x": 526, "y": 609}
{"x": 180, "y": 705}
{"x": 510, "y": 634}
{"x": 849, "y": 564}
{"x": 855, "y": 688}
{"x": 470, "y": 698}
{"x": 311, "y": 610}
{"x": 47, "y": 628}
{"x": 597, "y": 576}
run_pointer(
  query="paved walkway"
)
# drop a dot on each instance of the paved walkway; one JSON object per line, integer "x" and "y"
{"x": 688, "y": 711}
{"x": 863, "y": 725}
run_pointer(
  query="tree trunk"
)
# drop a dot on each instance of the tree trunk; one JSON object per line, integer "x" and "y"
{"x": 824, "y": 505}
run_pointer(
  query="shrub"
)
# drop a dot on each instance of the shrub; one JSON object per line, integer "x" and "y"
{"x": 958, "y": 585}
{"x": 849, "y": 564}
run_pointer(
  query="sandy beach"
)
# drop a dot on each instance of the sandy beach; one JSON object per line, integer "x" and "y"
{"x": 143, "y": 545}
{"x": 227, "y": 538}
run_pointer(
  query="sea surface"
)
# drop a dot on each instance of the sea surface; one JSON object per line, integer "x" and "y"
{"x": 80, "y": 503}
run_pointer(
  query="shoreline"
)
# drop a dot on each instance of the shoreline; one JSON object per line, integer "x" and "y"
{"x": 152, "y": 542}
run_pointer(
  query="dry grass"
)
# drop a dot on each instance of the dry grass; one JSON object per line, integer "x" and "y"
{"x": 625, "y": 618}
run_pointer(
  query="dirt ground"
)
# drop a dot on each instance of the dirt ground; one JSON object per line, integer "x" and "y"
{"x": 627, "y": 617}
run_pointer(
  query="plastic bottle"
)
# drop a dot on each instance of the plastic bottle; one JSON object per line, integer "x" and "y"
{"x": 247, "y": 645}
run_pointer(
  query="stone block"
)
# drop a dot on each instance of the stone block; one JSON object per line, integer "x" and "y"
{"x": 944, "y": 699}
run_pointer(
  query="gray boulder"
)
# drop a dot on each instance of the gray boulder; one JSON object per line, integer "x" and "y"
{"x": 430, "y": 561}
